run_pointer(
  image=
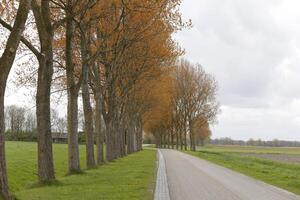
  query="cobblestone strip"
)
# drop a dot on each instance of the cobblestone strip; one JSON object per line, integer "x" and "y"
{"x": 162, "y": 189}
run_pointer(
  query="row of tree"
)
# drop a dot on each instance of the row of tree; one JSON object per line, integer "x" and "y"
{"x": 21, "y": 118}
{"x": 109, "y": 52}
{"x": 253, "y": 142}
{"x": 183, "y": 107}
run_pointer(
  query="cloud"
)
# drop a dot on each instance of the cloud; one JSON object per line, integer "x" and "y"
{"x": 253, "y": 49}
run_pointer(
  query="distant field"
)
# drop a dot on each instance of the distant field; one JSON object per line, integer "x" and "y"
{"x": 129, "y": 178}
{"x": 249, "y": 161}
{"x": 251, "y": 149}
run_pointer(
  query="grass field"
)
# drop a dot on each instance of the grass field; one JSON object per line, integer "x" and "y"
{"x": 131, "y": 177}
{"x": 251, "y": 149}
{"x": 283, "y": 175}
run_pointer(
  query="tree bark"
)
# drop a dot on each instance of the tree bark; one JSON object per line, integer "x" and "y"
{"x": 177, "y": 140}
{"x": 131, "y": 138}
{"x": 87, "y": 108}
{"x": 3, "y": 174}
{"x": 45, "y": 154}
{"x": 73, "y": 150}
{"x": 111, "y": 125}
{"x": 88, "y": 123}
{"x": 110, "y": 150}
{"x": 45, "y": 71}
{"x": 98, "y": 127}
{"x": 192, "y": 137}
{"x": 6, "y": 62}
{"x": 122, "y": 139}
{"x": 181, "y": 139}
{"x": 172, "y": 140}
{"x": 185, "y": 140}
{"x": 73, "y": 90}
{"x": 139, "y": 135}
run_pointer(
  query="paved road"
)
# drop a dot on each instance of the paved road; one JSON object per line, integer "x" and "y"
{"x": 191, "y": 178}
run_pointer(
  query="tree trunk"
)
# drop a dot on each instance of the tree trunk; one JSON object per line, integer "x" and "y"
{"x": 181, "y": 140}
{"x": 177, "y": 140}
{"x": 98, "y": 126}
{"x": 185, "y": 138}
{"x": 112, "y": 123}
{"x": 160, "y": 141}
{"x": 138, "y": 136}
{"x": 88, "y": 112}
{"x": 3, "y": 174}
{"x": 45, "y": 154}
{"x": 164, "y": 140}
{"x": 122, "y": 140}
{"x": 42, "y": 14}
{"x": 88, "y": 124}
{"x": 172, "y": 140}
{"x": 192, "y": 137}
{"x": 74, "y": 164}
{"x": 168, "y": 139}
{"x": 73, "y": 89}
{"x": 117, "y": 135}
{"x": 6, "y": 62}
{"x": 131, "y": 138}
{"x": 110, "y": 151}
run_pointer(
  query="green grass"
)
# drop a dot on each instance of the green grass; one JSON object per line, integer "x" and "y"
{"x": 283, "y": 175}
{"x": 251, "y": 149}
{"x": 131, "y": 177}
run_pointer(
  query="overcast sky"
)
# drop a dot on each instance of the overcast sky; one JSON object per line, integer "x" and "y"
{"x": 253, "y": 49}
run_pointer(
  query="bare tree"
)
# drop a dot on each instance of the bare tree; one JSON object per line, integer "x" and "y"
{"x": 61, "y": 125}
{"x": 30, "y": 122}
{"x": 197, "y": 97}
{"x": 16, "y": 117}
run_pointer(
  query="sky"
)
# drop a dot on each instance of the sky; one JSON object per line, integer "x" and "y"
{"x": 252, "y": 47}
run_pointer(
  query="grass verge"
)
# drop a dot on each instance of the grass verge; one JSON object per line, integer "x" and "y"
{"x": 131, "y": 177}
{"x": 283, "y": 175}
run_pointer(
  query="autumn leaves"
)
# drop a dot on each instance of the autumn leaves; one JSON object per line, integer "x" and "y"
{"x": 120, "y": 58}
{"x": 115, "y": 54}
{"x": 183, "y": 104}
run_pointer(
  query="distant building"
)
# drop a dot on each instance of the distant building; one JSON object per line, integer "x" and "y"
{"x": 59, "y": 137}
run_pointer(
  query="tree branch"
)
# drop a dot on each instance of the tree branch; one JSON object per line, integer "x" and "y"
{"x": 23, "y": 40}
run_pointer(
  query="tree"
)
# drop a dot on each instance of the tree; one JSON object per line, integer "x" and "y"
{"x": 202, "y": 131}
{"x": 6, "y": 62}
{"x": 114, "y": 51}
{"x": 197, "y": 93}
{"x": 73, "y": 87}
{"x": 16, "y": 117}
{"x": 42, "y": 15}
{"x": 186, "y": 110}
{"x": 30, "y": 122}
{"x": 61, "y": 125}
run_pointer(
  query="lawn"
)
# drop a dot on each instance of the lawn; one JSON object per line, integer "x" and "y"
{"x": 283, "y": 175}
{"x": 131, "y": 177}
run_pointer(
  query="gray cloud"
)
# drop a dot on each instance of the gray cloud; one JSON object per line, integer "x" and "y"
{"x": 252, "y": 48}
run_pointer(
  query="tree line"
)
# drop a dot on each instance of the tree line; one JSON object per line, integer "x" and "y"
{"x": 253, "y": 142}
{"x": 20, "y": 123}
{"x": 107, "y": 53}
{"x": 183, "y": 107}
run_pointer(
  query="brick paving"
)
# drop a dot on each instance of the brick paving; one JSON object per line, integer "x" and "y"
{"x": 162, "y": 188}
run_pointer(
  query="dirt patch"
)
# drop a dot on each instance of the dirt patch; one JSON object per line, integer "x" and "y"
{"x": 276, "y": 157}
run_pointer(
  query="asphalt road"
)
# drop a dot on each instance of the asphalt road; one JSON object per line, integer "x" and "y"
{"x": 191, "y": 178}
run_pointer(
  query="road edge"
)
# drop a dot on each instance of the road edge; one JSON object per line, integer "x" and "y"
{"x": 162, "y": 187}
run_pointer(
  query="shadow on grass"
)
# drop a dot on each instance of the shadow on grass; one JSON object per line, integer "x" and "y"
{"x": 44, "y": 184}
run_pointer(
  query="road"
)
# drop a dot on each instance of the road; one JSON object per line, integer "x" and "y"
{"x": 191, "y": 178}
